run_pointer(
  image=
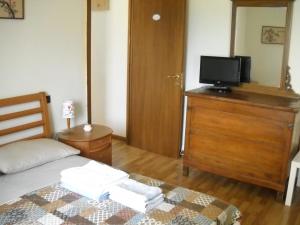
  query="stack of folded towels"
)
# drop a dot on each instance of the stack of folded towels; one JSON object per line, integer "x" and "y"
{"x": 92, "y": 180}
{"x": 136, "y": 195}
{"x": 99, "y": 181}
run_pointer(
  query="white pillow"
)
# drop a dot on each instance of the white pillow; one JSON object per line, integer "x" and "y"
{"x": 23, "y": 155}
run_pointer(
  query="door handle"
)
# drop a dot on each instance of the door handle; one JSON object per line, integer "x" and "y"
{"x": 178, "y": 78}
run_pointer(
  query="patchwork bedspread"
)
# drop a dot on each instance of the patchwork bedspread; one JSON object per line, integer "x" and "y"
{"x": 54, "y": 205}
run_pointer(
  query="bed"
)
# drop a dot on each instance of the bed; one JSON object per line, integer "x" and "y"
{"x": 30, "y": 192}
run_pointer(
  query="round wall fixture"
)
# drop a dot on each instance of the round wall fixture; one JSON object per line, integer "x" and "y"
{"x": 156, "y": 17}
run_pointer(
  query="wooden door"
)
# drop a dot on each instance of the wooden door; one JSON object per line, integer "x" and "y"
{"x": 157, "y": 31}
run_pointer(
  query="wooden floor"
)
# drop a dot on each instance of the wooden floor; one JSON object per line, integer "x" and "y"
{"x": 258, "y": 205}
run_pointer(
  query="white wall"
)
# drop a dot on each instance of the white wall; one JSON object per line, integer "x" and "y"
{"x": 241, "y": 32}
{"x": 109, "y": 66}
{"x": 46, "y": 52}
{"x": 208, "y": 33}
{"x": 209, "y": 24}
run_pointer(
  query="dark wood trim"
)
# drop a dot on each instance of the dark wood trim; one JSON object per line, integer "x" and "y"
{"x": 257, "y": 3}
{"x": 120, "y": 138}
{"x": 88, "y": 59}
{"x": 181, "y": 141}
{"x": 263, "y": 3}
{"x": 286, "y": 50}
{"x": 233, "y": 25}
{"x": 282, "y": 90}
{"x": 128, "y": 73}
{"x": 14, "y": 17}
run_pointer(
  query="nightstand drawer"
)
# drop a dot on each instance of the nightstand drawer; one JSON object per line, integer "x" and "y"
{"x": 100, "y": 143}
{"x": 103, "y": 155}
{"x": 95, "y": 144}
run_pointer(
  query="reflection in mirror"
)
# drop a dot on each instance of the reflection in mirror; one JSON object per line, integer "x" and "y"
{"x": 266, "y": 55}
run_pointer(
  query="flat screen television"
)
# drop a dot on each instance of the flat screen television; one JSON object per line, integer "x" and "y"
{"x": 245, "y": 68}
{"x": 222, "y": 72}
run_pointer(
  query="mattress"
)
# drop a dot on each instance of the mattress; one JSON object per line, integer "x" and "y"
{"x": 35, "y": 196}
{"x": 57, "y": 205}
{"x": 13, "y": 186}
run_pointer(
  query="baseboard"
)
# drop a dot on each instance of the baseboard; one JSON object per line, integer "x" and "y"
{"x": 120, "y": 138}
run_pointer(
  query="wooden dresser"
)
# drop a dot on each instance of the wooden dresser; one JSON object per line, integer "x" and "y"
{"x": 246, "y": 136}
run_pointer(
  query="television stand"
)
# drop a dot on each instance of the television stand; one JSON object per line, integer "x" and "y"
{"x": 220, "y": 89}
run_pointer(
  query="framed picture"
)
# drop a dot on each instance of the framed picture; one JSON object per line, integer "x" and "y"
{"x": 12, "y": 9}
{"x": 273, "y": 35}
{"x": 99, "y": 5}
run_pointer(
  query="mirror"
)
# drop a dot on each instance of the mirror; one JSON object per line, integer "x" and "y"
{"x": 261, "y": 30}
{"x": 259, "y": 33}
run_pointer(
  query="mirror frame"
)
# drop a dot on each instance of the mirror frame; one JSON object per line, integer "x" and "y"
{"x": 285, "y": 88}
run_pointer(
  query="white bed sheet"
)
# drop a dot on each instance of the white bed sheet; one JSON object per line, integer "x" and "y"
{"x": 15, "y": 185}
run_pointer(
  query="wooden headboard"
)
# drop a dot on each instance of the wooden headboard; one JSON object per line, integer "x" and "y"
{"x": 42, "y": 109}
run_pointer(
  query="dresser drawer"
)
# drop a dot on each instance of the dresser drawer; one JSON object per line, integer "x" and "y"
{"x": 244, "y": 158}
{"x": 247, "y": 127}
{"x": 100, "y": 143}
{"x": 241, "y": 109}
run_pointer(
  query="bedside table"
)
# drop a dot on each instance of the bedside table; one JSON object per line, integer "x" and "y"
{"x": 95, "y": 144}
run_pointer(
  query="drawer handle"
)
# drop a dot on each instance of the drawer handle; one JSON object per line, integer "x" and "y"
{"x": 290, "y": 125}
{"x": 99, "y": 150}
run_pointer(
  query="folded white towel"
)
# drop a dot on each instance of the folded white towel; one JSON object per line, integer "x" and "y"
{"x": 100, "y": 168}
{"x": 93, "y": 174}
{"x": 153, "y": 205}
{"x": 136, "y": 190}
{"x": 143, "y": 208}
{"x": 136, "y": 195}
{"x": 92, "y": 180}
{"x": 86, "y": 191}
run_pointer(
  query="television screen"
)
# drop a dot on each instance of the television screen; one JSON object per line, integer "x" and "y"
{"x": 220, "y": 71}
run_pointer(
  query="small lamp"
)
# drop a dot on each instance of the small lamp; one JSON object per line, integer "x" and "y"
{"x": 68, "y": 111}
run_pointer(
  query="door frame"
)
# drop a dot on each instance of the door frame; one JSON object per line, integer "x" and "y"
{"x": 129, "y": 46}
{"x": 88, "y": 59}
{"x": 129, "y": 55}
{"x": 129, "y": 59}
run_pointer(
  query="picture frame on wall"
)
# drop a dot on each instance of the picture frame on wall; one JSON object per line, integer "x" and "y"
{"x": 273, "y": 35}
{"x": 12, "y": 9}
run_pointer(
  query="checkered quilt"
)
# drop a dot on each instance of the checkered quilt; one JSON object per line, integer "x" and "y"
{"x": 54, "y": 205}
